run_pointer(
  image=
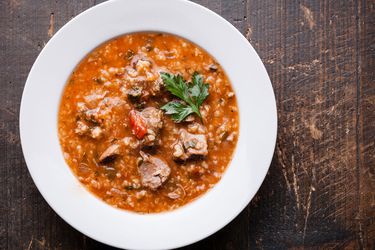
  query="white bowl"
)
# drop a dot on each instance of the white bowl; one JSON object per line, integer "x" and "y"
{"x": 120, "y": 228}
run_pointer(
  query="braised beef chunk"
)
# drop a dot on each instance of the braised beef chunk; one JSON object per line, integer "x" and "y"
{"x": 146, "y": 125}
{"x": 135, "y": 92}
{"x": 154, "y": 172}
{"x": 156, "y": 86}
{"x": 141, "y": 90}
{"x": 88, "y": 122}
{"x": 111, "y": 152}
{"x": 141, "y": 60}
{"x": 153, "y": 118}
{"x": 189, "y": 145}
{"x": 91, "y": 116}
{"x": 94, "y": 132}
{"x": 145, "y": 80}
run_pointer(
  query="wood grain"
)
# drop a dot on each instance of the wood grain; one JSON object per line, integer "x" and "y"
{"x": 320, "y": 189}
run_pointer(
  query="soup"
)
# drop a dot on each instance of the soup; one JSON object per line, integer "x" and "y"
{"x": 148, "y": 122}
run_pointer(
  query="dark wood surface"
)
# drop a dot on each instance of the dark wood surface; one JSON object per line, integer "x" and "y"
{"x": 320, "y": 190}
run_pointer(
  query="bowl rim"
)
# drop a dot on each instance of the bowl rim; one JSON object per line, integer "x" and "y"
{"x": 271, "y": 117}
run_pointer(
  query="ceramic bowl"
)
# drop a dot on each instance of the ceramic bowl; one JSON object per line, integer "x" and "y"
{"x": 120, "y": 228}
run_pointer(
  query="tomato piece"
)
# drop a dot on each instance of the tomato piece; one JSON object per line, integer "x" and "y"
{"x": 138, "y": 124}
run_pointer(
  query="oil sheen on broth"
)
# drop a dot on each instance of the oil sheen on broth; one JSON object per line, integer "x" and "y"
{"x": 128, "y": 150}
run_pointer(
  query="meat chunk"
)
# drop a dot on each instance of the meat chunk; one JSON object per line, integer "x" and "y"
{"x": 154, "y": 122}
{"x": 111, "y": 152}
{"x": 196, "y": 128}
{"x": 156, "y": 86}
{"x": 189, "y": 145}
{"x": 154, "y": 171}
{"x": 141, "y": 89}
{"x": 91, "y": 116}
{"x": 141, "y": 62}
{"x": 142, "y": 66}
{"x": 146, "y": 80}
{"x": 87, "y": 118}
{"x": 146, "y": 125}
{"x": 153, "y": 117}
{"x": 135, "y": 92}
{"x": 94, "y": 97}
{"x": 97, "y": 113}
{"x": 83, "y": 129}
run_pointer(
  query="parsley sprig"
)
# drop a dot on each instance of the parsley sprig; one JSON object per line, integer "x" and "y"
{"x": 191, "y": 93}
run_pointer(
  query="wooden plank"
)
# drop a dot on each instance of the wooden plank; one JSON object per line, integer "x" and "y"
{"x": 366, "y": 123}
{"x": 27, "y": 222}
{"x": 309, "y": 197}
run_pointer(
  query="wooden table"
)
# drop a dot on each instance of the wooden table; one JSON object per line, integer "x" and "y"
{"x": 320, "y": 190}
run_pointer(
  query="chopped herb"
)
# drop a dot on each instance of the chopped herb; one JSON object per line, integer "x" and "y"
{"x": 129, "y": 54}
{"x": 192, "y": 95}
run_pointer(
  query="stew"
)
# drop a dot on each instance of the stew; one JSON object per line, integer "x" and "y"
{"x": 148, "y": 122}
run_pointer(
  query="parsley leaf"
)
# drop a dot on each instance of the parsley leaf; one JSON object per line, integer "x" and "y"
{"x": 200, "y": 90}
{"x": 191, "y": 93}
{"x": 177, "y": 110}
